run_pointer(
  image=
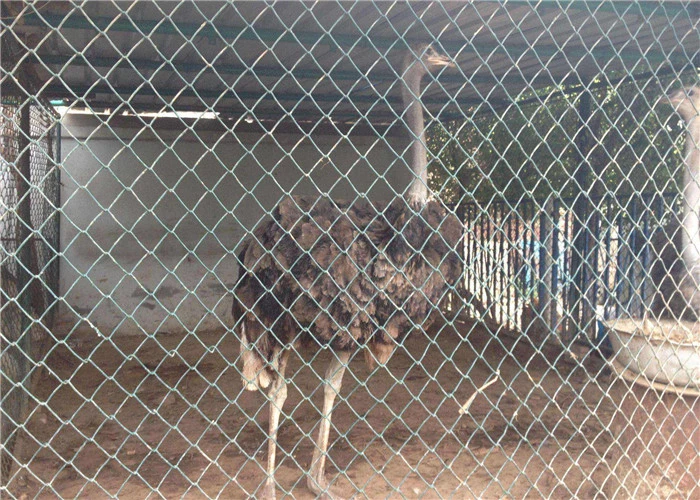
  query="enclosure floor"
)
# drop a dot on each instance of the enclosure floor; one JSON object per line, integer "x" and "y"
{"x": 149, "y": 425}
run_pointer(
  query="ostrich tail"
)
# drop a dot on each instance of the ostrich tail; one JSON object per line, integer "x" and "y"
{"x": 255, "y": 374}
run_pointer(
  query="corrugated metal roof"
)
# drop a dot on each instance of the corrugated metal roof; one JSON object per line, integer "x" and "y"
{"x": 340, "y": 61}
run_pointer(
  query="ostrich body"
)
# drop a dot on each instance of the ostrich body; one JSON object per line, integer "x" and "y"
{"x": 677, "y": 268}
{"x": 345, "y": 276}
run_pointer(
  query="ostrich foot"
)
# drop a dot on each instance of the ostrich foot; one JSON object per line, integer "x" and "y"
{"x": 322, "y": 488}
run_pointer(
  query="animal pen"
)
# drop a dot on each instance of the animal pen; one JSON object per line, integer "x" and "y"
{"x": 493, "y": 203}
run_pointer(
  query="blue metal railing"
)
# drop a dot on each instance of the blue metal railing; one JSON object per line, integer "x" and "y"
{"x": 520, "y": 258}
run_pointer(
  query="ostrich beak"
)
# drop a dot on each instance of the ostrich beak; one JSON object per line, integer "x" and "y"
{"x": 441, "y": 60}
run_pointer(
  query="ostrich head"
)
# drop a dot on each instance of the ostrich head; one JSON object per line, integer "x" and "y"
{"x": 417, "y": 62}
{"x": 686, "y": 102}
{"x": 421, "y": 60}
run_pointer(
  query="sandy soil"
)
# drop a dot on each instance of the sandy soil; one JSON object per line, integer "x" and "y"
{"x": 166, "y": 416}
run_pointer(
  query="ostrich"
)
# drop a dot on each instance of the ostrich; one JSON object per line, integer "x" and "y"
{"x": 345, "y": 276}
{"x": 677, "y": 266}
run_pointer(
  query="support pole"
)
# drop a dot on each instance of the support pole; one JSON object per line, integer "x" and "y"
{"x": 580, "y": 309}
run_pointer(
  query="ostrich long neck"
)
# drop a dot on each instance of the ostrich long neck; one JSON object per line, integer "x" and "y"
{"x": 691, "y": 198}
{"x": 417, "y": 194}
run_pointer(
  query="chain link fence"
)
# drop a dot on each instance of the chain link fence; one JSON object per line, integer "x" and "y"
{"x": 450, "y": 249}
{"x": 523, "y": 255}
{"x": 29, "y": 232}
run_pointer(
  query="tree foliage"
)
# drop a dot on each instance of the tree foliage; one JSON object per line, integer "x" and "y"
{"x": 533, "y": 148}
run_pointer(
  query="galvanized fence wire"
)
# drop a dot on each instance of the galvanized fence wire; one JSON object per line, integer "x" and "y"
{"x": 524, "y": 254}
{"x": 29, "y": 264}
{"x": 271, "y": 160}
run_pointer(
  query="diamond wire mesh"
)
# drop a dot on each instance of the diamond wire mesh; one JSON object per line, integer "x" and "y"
{"x": 29, "y": 231}
{"x": 569, "y": 191}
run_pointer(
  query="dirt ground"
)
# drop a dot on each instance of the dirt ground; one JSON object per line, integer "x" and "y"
{"x": 167, "y": 417}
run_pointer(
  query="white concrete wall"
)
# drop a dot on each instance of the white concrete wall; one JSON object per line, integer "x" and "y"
{"x": 151, "y": 221}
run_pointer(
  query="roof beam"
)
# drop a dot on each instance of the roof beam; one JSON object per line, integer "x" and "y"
{"x": 228, "y": 34}
{"x": 86, "y": 92}
{"x": 666, "y": 9}
{"x": 80, "y": 60}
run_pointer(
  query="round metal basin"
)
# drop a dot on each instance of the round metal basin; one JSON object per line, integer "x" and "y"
{"x": 658, "y": 359}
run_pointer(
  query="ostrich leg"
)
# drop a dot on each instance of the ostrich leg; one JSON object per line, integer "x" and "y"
{"x": 316, "y": 480}
{"x": 277, "y": 396}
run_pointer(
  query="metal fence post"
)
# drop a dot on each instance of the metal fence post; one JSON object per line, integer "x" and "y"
{"x": 581, "y": 229}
